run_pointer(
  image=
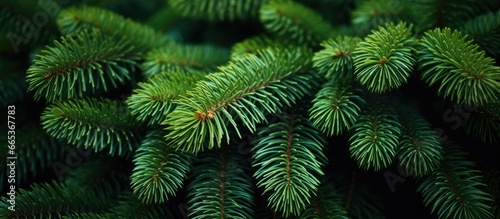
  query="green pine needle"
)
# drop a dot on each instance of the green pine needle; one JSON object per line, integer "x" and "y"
{"x": 253, "y": 44}
{"x": 484, "y": 123}
{"x": 154, "y": 99}
{"x": 217, "y": 10}
{"x": 289, "y": 157}
{"x": 370, "y": 14}
{"x": 96, "y": 123}
{"x": 485, "y": 31}
{"x": 327, "y": 204}
{"x": 336, "y": 107}
{"x": 384, "y": 59}
{"x": 419, "y": 152}
{"x": 292, "y": 20}
{"x": 455, "y": 190}
{"x": 335, "y": 60}
{"x": 220, "y": 187}
{"x": 184, "y": 58}
{"x": 143, "y": 38}
{"x": 159, "y": 171}
{"x": 459, "y": 69}
{"x": 375, "y": 136}
{"x": 80, "y": 66}
{"x": 52, "y": 200}
{"x": 247, "y": 89}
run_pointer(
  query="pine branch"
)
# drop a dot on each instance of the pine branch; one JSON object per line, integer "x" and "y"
{"x": 288, "y": 19}
{"x": 371, "y": 14}
{"x": 327, "y": 204}
{"x": 96, "y": 123}
{"x": 430, "y": 14}
{"x": 247, "y": 89}
{"x": 128, "y": 207}
{"x": 375, "y": 135}
{"x": 459, "y": 68}
{"x": 336, "y": 107}
{"x": 154, "y": 99}
{"x": 49, "y": 200}
{"x": 384, "y": 59}
{"x": 485, "y": 31}
{"x": 419, "y": 151}
{"x": 80, "y": 66}
{"x": 217, "y": 10}
{"x": 492, "y": 180}
{"x": 289, "y": 158}
{"x": 335, "y": 60}
{"x": 253, "y": 44}
{"x": 484, "y": 123}
{"x": 110, "y": 181}
{"x": 455, "y": 189}
{"x": 159, "y": 171}
{"x": 220, "y": 188}
{"x": 184, "y": 58}
{"x": 143, "y": 38}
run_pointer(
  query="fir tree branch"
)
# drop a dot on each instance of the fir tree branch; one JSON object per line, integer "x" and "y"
{"x": 327, "y": 204}
{"x": 419, "y": 151}
{"x": 142, "y": 38}
{"x": 289, "y": 158}
{"x": 375, "y": 135}
{"x": 336, "y": 107}
{"x": 53, "y": 200}
{"x": 159, "y": 170}
{"x": 220, "y": 187}
{"x": 217, "y": 10}
{"x": 247, "y": 89}
{"x": 335, "y": 60}
{"x": 184, "y": 58}
{"x": 79, "y": 66}
{"x": 154, "y": 99}
{"x": 289, "y": 19}
{"x": 455, "y": 189}
{"x": 485, "y": 31}
{"x": 253, "y": 44}
{"x": 459, "y": 68}
{"x": 96, "y": 123}
{"x": 371, "y": 14}
{"x": 484, "y": 123}
{"x": 384, "y": 59}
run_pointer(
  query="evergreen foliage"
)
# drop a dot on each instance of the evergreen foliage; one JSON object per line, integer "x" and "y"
{"x": 217, "y": 10}
{"x": 375, "y": 136}
{"x": 292, "y": 20}
{"x": 458, "y": 67}
{"x": 159, "y": 171}
{"x": 289, "y": 156}
{"x": 249, "y": 109}
{"x": 384, "y": 59}
{"x": 80, "y": 66}
{"x": 154, "y": 99}
{"x": 455, "y": 190}
{"x": 335, "y": 60}
{"x": 220, "y": 187}
{"x": 184, "y": 58}
{"x": 73, "y": 20}
{"x": 96, "y": 123}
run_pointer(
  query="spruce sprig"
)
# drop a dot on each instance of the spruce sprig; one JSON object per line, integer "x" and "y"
{"x": 81, "y": 66}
